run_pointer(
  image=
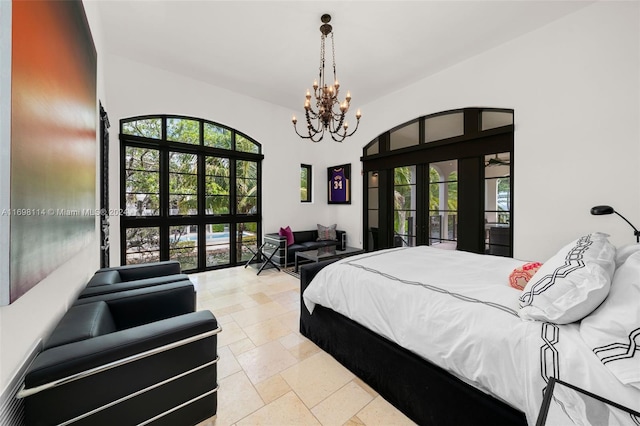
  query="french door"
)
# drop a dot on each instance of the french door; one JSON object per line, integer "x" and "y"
{"x": 450, "y": 188}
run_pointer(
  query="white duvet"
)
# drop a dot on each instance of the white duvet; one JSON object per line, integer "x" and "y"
{"x": 457, "y": 310}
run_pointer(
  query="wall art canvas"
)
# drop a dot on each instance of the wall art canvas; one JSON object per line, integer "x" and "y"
{"x": 53, "y": 139}
{"x": 339, "y": 185}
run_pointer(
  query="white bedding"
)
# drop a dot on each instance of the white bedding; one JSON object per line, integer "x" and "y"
{"x": 457, "y": 310}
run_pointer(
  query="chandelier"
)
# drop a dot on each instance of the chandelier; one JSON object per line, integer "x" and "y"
{"x": 329, "y": 113}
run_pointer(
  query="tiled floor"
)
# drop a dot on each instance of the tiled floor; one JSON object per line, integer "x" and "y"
{"x": 268, "y": 373}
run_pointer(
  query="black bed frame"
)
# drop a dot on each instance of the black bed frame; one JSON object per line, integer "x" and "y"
{"x": 425, "y": 393}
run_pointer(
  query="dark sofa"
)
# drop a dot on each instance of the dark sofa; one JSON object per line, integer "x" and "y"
{"x": 129, "y": 277}
{"x": 126, "y": 358}
{"x": 303, "y": 241}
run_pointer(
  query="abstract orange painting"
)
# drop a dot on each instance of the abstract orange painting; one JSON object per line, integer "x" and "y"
{"x": 53, "y": 139}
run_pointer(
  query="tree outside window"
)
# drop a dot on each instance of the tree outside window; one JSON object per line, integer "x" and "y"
{"x": 305, "y": 183}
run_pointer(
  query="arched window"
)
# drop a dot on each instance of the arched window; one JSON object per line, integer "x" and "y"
{"x": 190, "y": 191}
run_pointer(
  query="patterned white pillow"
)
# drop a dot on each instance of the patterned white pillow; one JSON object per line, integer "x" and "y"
{"x": 327, "y": 233}
{"x": 612, "y": 331}
{"x": 571, "y": 284}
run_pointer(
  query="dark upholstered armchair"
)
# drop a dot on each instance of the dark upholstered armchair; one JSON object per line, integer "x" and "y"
{"x": 128, "y": 277}
{"x": 129, "y": 358}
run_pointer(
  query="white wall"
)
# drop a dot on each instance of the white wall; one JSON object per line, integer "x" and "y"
{"x": 137, "y": 89}
{"x": 574, "y": 87}
{"x": 29, "y": 319}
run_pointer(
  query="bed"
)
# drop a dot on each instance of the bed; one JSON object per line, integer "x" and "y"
{"x": 439, "y": 334}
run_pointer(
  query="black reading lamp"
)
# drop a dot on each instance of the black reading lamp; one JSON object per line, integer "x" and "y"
{"x": 599, "y": 210}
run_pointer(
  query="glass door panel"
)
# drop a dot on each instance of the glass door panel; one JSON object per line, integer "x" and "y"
{"x": 404, "y": 206}
{"x": 218, "y": 250}
{"x": 142, "y": 245}
{"x": 246, "y": 240}
{"x": 372, "y": 209}
{"x": 443, "y": 204}
{"x": 497, "y": 205}
{"x": 183, "y": 246}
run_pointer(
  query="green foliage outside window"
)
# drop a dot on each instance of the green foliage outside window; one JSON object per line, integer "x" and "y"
{"x": 142, "y": 187}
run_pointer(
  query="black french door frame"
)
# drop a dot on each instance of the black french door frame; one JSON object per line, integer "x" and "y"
{"x": 469, "y": 150}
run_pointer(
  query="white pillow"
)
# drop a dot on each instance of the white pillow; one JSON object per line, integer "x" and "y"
{"x": 622, "y": 253}
{"x": 613, "y": 330}
{"x": 571, "y": 284}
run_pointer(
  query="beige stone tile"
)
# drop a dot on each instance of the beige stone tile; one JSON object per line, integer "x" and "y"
{"x": 290, "y": 297}
{"x": 266, "y": 331}
{"x": 316, "y": 377}
{"x": 292, "y": 320}
{"x": 261, "y": 298}
{"x": 249, "y": 304}
{"x": 291, "y": 340}
{"x": 380, "y": 413}
{"x": 224, "y": 319}
{"x": 272, "y": 388}
{"x": 365, "y": 386}
{"x": 265, "y": 361}
{"x": 226, "y": 311}
{"x": 237, "y": 398}
{"x": 354, "y": 421}
{"x": 286, "y": 410}
{"x": 342, "y": 405}
{"x": 231, "y": 332}
{"x": 220, "y": 302}
{"x": 258, "y": 314}
{"x": 304, "y": 350}
{"x": 227, "y": 364}
{"x": 241, "y": 346}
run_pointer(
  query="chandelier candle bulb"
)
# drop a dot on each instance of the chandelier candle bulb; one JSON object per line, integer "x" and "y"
{"x": 330, "y": 113}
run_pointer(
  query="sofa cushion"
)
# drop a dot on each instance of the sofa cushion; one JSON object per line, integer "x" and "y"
{"x": 98, "y": 289}
{"x": 148, "y": 270}
{"x": 302, "y": 236}
{"x": 288, "y": 234}
{"x": 326, "y": 232}
{"x": 104, "y": 278}
{"x": 82, "y": 322}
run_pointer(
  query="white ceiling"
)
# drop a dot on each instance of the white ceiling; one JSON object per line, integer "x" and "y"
{"x": 270, "y": 49}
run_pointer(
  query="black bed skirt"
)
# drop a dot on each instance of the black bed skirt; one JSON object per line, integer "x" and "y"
{"x": 426, "y": 393}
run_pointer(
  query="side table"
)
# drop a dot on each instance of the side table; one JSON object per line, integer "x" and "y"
{"x": 566, "y": 404}
{"x": 266, "y": 251}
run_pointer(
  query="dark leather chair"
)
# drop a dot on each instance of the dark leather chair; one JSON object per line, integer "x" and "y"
{"x": 128, "y": 358}
{"x": 129, "y": 277}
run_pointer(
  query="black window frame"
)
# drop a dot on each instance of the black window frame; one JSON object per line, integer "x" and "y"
{"x": 165, "y": 220}
{"x": 309, "y": 186}
{"x": 468, "y": 148}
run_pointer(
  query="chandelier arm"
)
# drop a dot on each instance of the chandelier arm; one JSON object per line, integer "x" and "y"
{"x": 311, "y": 135}
{"x": 354, "y": 130}
{"x": 342, "y": 137}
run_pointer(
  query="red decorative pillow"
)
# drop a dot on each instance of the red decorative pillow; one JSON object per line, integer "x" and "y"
{"x": 521, "y": 275}
{"x": 286, "y": 232}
